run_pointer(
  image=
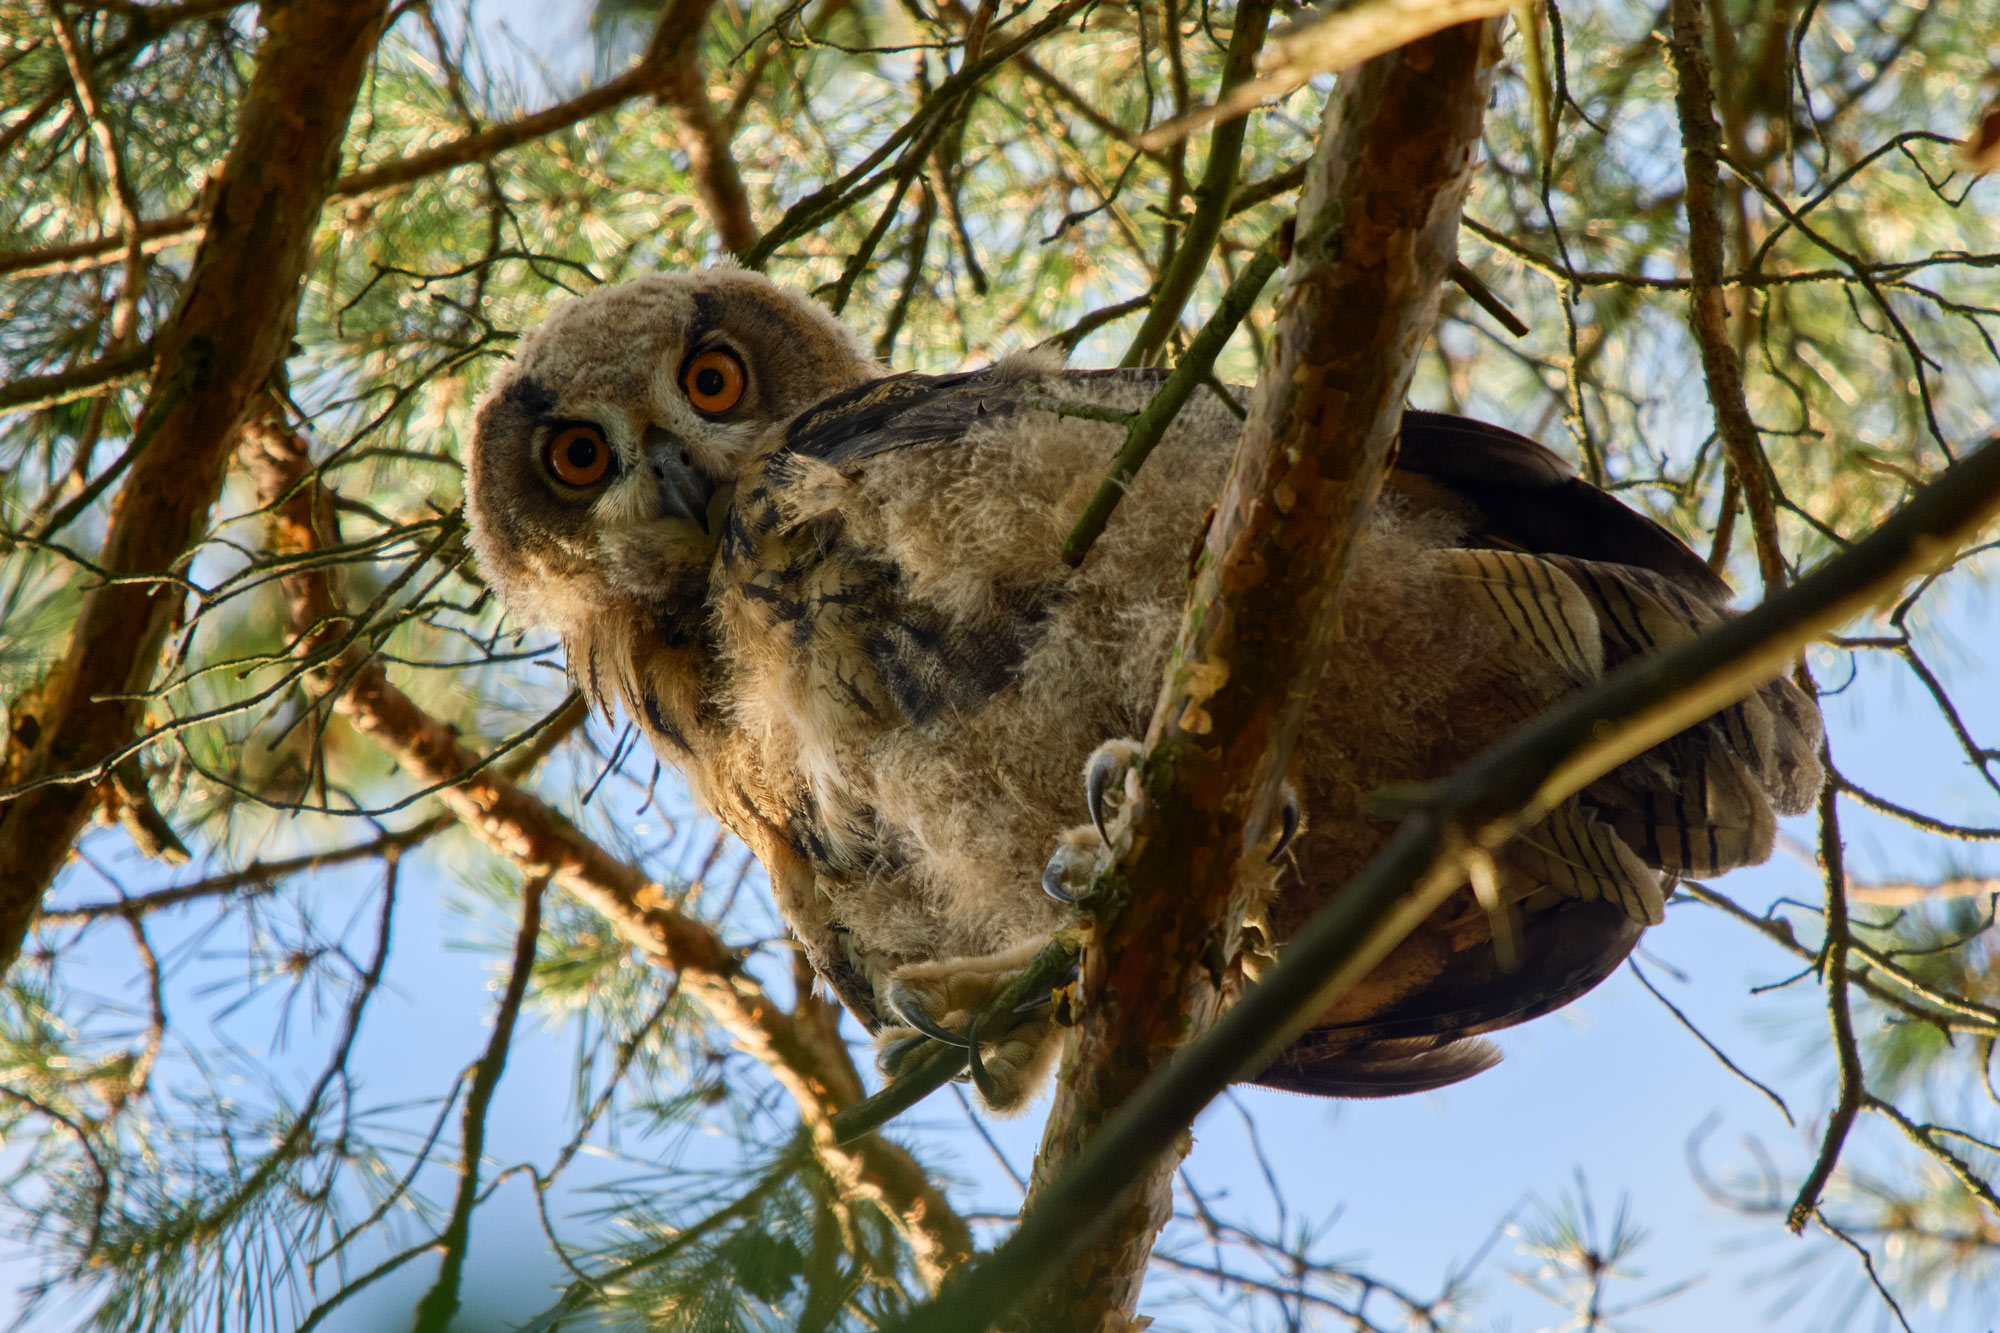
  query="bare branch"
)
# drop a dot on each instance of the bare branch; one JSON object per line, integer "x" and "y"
{"x": 1701, "y": 141}
{"x": 1833, "y": 958}
{"x": 440, "y": 1303}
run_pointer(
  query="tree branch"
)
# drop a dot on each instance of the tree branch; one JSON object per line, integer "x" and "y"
{"x": 1708, "y": 314}
{"x": 262, "y": 876}
{"x": 856, "y": 183}
{"x": 1833, "y": 967}
{"x": 666, "y": 70}
{"x": 32, "y": 393}
{"x": 1377, "y": 232}
{"x": 1149, "y": 425}
{"x": 1212, "y": 197}
{"x": 225, "y": 341}
{"x": 681, "y": 86}
{"x": 440, "y": 1303}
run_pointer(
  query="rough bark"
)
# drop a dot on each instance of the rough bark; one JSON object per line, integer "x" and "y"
{"x": 801, "y": 1048}
{"x": 222, "y": 345}
{"x": 1377, "y": 233}
{"x": 717, "y": 182}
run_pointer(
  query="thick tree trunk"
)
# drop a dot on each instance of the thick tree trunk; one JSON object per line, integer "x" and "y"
{"x": 1377, "y": 232}
{"x": 224, "y": 343}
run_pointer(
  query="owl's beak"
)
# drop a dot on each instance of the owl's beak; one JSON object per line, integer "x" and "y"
{"x": 685, "y": 489}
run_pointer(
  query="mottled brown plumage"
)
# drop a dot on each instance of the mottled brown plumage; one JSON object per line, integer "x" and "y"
{"x": 836, "y": 603}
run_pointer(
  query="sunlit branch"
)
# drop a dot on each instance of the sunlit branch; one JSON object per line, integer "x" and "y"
{"x": 808, "y": 1059}
{"x": 1375, "y": 236}
{"x": 1326, "y": 42}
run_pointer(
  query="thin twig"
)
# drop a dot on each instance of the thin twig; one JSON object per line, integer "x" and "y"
{"x": 1833, "y": 971}
{"x": 440, "y": 1303}
{"x": 1150, "y": 425}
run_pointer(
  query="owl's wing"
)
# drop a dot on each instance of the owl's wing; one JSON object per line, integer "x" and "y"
{"x": 903, "y": 412}
{"x": 1518, "y": 495}
{"x": 1432, "y": 1040}
{"x": 1577, "y": 583}
{"x": 1645, "y": 591}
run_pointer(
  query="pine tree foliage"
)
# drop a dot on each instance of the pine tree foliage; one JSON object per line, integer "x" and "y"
{"x": 198, "y": 1144}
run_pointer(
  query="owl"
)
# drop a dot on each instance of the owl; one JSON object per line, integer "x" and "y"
{"x": 833, "y": 598}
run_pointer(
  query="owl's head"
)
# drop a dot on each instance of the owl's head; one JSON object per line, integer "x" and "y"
{"x": 603, "y": 455}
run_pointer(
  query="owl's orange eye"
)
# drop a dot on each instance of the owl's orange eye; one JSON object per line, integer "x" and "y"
{"x": 578, "y": 455}
{"x": 714, "y": 381}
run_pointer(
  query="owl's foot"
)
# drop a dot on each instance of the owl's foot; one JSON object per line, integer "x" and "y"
{"x": 1111, "y": 777}
{"x": 943, "y": 1001}
{"x": 1069, "y": 871}
{"x": 1111, "y": 792}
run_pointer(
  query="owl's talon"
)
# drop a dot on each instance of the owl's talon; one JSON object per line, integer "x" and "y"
{"x": 1289, "y": 828}
{"x": 1108, "y": 774}
{"x": 1052, "y": 881}
{"x": 976, "y": 1065}
{"x": 894, "y": 1056}
{"x": 1102, "y": 766}
{"x": 1066, "y": 877}
{"x": 912, "y": 1012}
